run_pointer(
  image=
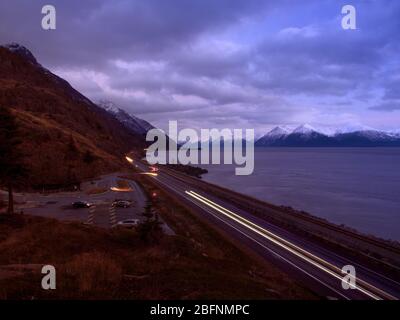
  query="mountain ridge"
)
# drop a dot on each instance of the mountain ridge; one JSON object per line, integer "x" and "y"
{"x": 130, "y": 121}
{"x": 65, "y": 137}
{"x": 307, "y": 136}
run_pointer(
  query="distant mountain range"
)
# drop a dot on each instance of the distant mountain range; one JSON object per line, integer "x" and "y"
{"x": 307, "y": 136}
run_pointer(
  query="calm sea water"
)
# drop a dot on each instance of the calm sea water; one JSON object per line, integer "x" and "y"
{"x": 359, "y": 187}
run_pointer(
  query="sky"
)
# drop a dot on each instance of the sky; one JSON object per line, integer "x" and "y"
{"x": 223, "y": 63}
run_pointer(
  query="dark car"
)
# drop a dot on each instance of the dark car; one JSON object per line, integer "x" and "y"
{"x": 81, "y": 204}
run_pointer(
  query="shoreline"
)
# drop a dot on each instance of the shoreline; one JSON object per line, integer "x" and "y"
{"x": 378, "y": 252}
{"x": 353, "y": 187}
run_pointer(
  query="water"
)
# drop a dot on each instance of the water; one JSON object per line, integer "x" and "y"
{"x": 358, "y": 187}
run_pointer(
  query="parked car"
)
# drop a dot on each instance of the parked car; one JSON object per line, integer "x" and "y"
{"x": 129, "y": 223}
{"x": 122, "y": 203}
{"x": 81, "y": 204}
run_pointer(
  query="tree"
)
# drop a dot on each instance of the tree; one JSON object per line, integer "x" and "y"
{"x": 148, "y": 210}
{"x": 11, "y": 168}
{"x": 150, "y": 230}
{"x": 89, "y": 157}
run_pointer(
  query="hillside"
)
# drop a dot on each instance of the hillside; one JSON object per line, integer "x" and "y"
{"x": 66, "y": 137}
{"x": 197, "y": 263}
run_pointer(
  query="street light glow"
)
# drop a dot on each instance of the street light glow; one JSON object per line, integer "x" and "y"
{"x": 130, "y": 160}
{"x": 116, "y": 189}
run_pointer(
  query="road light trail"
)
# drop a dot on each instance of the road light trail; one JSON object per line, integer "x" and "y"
{"x": 299, "y": 252}
{"x": 315, "y": 270}
{"x": 153, "y": 174}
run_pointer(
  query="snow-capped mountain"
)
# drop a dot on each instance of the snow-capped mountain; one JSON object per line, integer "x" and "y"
{"x": 395, "y": 133}
{"x": 373, "y": 135}
{"x": 367, "y": 138}
{"x": 353, "y": 128}
{"x": 308, "y": 136}
{"x": 109, "y": 106}
{"x": 131, "y": 122}
{"x": 273, "y": 137}
{"x": 278, "y": 132}
{"x": 304, "y": 129}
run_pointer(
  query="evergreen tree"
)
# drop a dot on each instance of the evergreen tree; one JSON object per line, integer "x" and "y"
{"x": 148, "y": 210}
{"x": 11, "y": 168}
{"x": 89, "y": 157}
{"x": 150, "y": 230}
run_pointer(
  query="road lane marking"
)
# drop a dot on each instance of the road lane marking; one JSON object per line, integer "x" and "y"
{"x": 323, "y": 265}
{"x": 348, "y": 261}
{"x": 92, "y": 211}
{"x": 168, "y": 185}
{"x": 113, "y": 217}
{"x": 303, "y": 255}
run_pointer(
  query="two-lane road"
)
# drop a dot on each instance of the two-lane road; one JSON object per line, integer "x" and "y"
{"x": 309, "y": 263}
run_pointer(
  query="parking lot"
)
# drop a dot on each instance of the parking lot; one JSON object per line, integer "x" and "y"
{"x": 99, "y": 193}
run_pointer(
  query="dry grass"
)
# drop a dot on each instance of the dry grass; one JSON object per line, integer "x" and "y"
{"x": 93, "y": 263}
{"x": 93, "y": 272}
{"x": 50, "y": 114}
{"x": 49, "y": 144}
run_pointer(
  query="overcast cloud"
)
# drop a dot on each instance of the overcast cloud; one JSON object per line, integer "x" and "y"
{"x": 223, "y": 63}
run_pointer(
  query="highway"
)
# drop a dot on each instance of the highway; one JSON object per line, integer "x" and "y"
{"x": 311, "y": 265}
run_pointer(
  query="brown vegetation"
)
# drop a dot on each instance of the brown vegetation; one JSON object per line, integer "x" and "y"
{"x": 66, "y": 138}
{"x": 94, "y": 263}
